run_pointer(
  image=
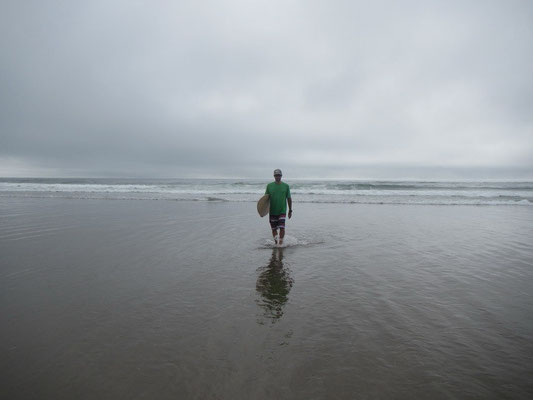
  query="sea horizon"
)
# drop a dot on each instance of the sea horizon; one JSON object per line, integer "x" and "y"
{"x": 347, "y": 191}
{"x": 268, "y": 178}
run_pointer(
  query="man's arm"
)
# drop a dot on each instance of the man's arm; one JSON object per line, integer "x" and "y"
{"x": 289, "y": 200}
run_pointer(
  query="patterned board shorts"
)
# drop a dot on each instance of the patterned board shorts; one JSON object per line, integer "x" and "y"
{"x": 277, "y": 221}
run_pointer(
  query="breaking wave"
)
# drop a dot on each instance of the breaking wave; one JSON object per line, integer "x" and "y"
{"x": 309, "y": 191}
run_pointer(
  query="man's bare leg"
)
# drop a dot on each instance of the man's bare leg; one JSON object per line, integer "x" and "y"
{"x": 274, "y": 235}
{"x": 281, "y": 235}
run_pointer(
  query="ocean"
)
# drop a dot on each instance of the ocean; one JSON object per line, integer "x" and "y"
{"x": 174, "y": 289}
{"x": 305, "y": 191}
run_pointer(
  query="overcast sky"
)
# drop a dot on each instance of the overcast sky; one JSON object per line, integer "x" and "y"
{"x": 351, "y": 89}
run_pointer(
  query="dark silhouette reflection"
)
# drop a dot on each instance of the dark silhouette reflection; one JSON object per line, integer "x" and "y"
{"x": 274, "y": 284}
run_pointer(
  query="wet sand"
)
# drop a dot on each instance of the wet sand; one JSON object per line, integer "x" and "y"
{"x": 115, "y": 299}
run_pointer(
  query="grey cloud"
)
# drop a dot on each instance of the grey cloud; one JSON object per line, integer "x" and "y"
{"x": 122, "y": 87}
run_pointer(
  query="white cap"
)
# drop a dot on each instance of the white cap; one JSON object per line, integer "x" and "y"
{"x": 277, "y": 172}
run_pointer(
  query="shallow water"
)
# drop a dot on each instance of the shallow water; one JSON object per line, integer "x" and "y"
{"x": 155, "y": 299}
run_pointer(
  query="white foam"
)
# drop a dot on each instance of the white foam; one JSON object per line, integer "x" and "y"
{"x": 288, "y": 241}
{"x": 327, "y": 192}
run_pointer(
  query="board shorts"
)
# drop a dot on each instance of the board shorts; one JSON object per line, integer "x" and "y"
{"x": 277, "y": 221}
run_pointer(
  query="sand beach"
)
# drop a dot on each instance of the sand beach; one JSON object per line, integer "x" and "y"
{"x": 164, "y": 299}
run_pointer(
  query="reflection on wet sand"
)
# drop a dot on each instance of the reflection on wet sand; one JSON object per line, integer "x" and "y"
{"x": 274, "y": 284}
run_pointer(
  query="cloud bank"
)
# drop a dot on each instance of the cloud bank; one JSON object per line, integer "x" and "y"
{"x": 237, "y": 88}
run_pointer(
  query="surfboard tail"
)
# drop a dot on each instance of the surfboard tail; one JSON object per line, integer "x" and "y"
{"x": 263, "y": 205}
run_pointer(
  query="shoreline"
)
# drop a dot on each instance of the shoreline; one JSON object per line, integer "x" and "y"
{"x": 74, "y": 196}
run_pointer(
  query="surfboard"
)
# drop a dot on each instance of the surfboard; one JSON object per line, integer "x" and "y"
{"x": 263, "y": 205}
